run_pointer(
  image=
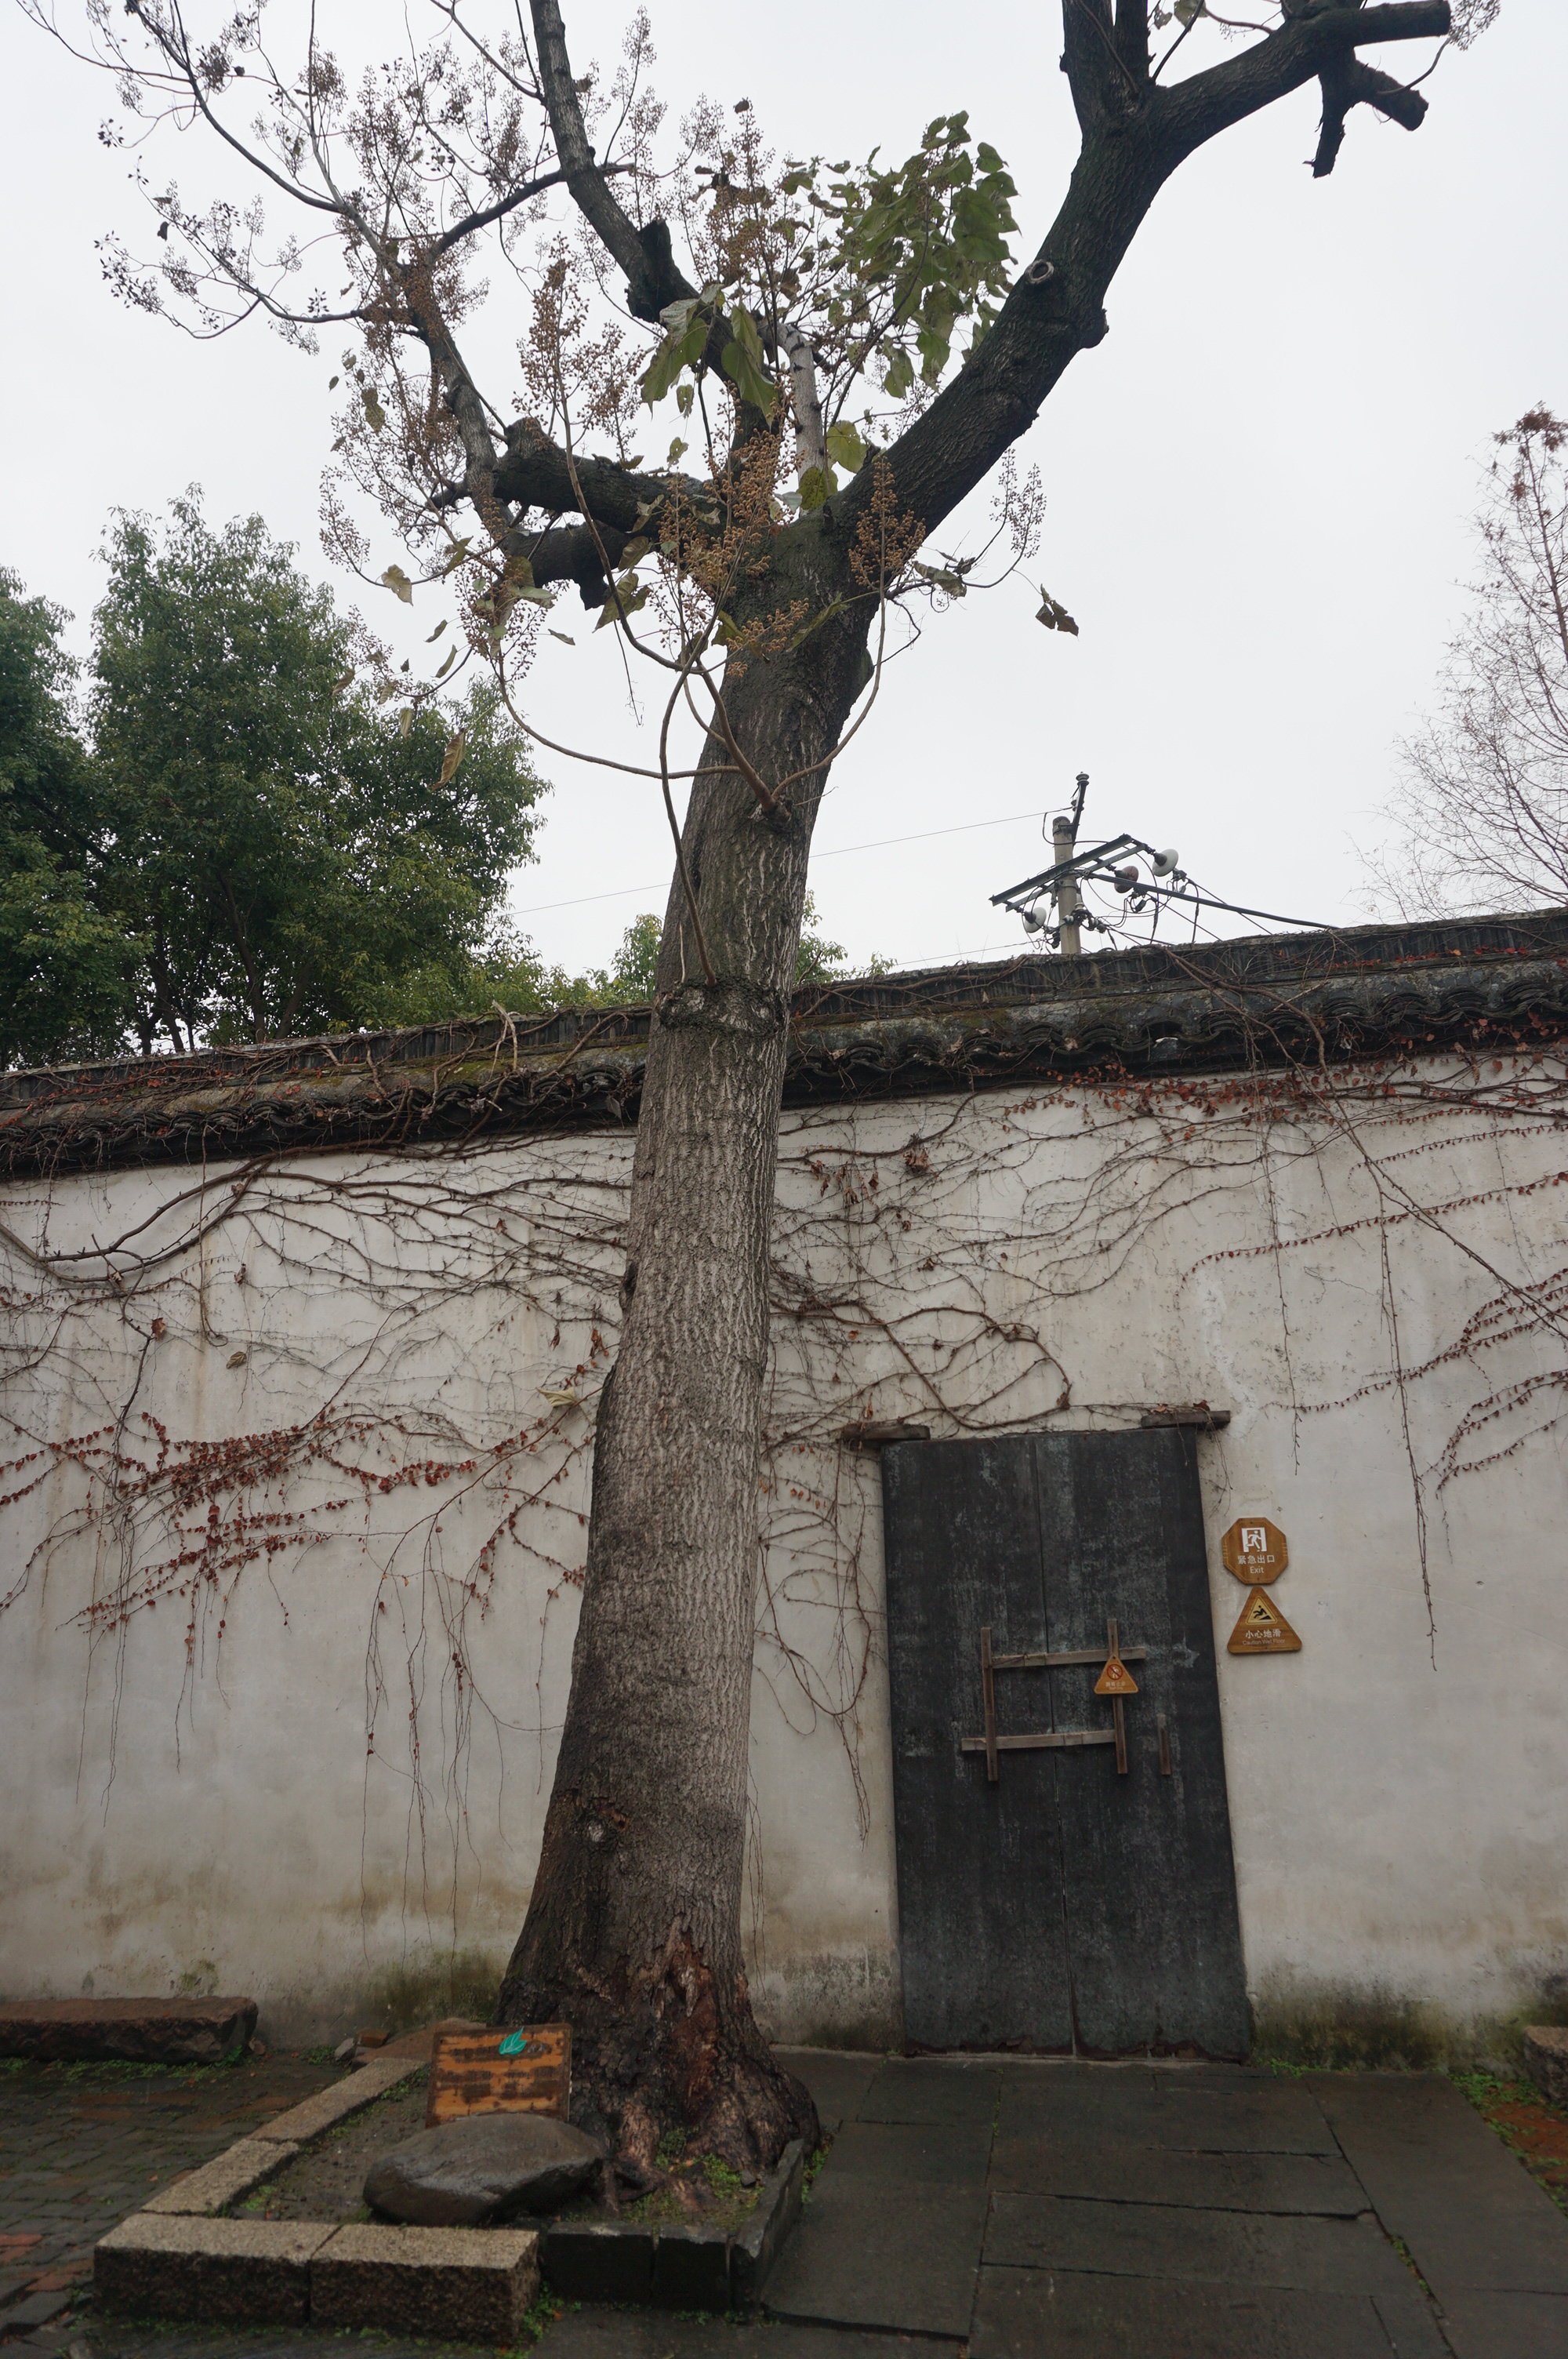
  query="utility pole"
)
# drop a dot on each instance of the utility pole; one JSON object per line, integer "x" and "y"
{"x": 1064, "y": 838}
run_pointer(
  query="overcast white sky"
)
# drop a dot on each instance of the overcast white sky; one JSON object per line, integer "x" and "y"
{"x": 1259, "y": 485}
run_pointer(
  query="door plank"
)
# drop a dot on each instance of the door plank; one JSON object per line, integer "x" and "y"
{"x": 1154, "y": 1935}
{"x": 979, "y": 1872}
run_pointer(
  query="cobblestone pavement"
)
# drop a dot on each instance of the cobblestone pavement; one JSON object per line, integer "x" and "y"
{"x": 81, "y": 2145}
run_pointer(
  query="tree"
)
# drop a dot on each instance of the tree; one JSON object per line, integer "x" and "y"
{"x": 1482, "y": 804}
{"x": 508, "y": 973}
{"x": 802, "y": 346}
{"x": 281, "y": 854}
{"x": 64, "y": 969}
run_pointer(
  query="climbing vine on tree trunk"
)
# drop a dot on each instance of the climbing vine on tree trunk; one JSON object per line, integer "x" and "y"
{"x": 798, "y": 327}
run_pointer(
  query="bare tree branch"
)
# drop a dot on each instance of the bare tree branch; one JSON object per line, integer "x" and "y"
{"x": 644, "y": 255}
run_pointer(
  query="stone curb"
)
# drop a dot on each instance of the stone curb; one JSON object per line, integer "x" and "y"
{"x": 678, "y": 2268}
{"x": 1546, "y": 2060}
{"x": 329, "y": 2106}
{"x": 233, "y": 2270}
{"x": 174, "y": 2260}
{"x": 226, "y": 2177}
{"x": 758, "y": 2246}
{"x": 477, "y": 2284}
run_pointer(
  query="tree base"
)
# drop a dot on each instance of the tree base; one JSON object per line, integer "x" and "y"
{"x": 672, "y": 2066}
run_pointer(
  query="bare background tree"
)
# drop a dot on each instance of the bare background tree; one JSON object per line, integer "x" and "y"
{"x": 805, "y": 353}
{"x": 1481, "y": 807}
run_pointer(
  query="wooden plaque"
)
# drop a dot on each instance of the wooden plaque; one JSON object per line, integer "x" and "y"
{"x": 1262, "y": 1629}
{"x": 468, "y": 2074}
{"x": 1254, "y": 1550}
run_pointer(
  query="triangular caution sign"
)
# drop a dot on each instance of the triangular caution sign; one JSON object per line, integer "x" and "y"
{"x": 1262, "y": 1629}
{"x": 1116, "y": 1679}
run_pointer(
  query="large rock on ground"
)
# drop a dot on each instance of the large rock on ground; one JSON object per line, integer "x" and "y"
{"x": 1546, "y": 2060}
{"x": 485, "y": 2168}
{"x": 139, "y": 2031}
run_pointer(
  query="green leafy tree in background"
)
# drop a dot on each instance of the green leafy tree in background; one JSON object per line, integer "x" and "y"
{"x": 284, "y": 855}
{"x": 64, "y": 966}
{"x": 510, "y": 973}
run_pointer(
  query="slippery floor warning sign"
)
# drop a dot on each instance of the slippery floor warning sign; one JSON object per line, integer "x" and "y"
{"x": 1262, "y": 1629}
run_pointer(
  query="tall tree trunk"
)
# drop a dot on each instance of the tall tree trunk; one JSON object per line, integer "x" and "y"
{"x": 634, "y": 1928}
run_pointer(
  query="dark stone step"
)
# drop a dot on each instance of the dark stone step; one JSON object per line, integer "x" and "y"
{"x": 135, "y": 2030}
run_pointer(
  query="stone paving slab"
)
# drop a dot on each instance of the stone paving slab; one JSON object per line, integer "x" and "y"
{"x": 1507, "y": 2325}
{"x": 1080, "y": 2104}
{"x": 226, "y": 2177}
{"x": 1207, "y": 2182}
{"x": 933, "y": 2092}
{"x": 1277, "y": 2116}
{"x": 621, "y": 2335}
{"x": 184, "y": 2267}
{"x": 902, "y": 2258}
{"x": 1439, "y": 2179}
{"x": 474, "y": 2284}
{"x": 838, "y": 2080}
{"x": 898, "y": 2155}
{"x": 1028, "y": 2313}
{"x": 1142, "y": 2240}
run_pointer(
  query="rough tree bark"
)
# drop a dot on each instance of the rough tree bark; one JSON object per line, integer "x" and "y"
{"x": 633, "y": 1931}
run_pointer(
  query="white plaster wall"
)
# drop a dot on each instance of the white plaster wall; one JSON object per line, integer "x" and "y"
{"x": 325, "y": 1780}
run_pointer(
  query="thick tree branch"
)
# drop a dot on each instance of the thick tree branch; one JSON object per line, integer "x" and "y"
{"x": 1055, "y": 309}
{"x": 1200, "y": 108}
{"x": 1132, "y": 37}
{"x": 1103, "y": 79}
{"x": 538, "y": 474}
{"x": 571, "y": 553}
{"x": 645, "y": 256}
{"x": 461, "y": 396}
{"x": 1349, "y": 82}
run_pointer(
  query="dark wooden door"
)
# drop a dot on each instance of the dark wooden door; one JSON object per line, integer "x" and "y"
{"x": 1062, "y": 1907}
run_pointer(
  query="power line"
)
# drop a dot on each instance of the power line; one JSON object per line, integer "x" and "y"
{"x": 883, "y": 843}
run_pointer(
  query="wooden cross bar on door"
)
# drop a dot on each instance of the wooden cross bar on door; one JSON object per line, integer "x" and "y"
{"x": 1114, "y": 1682}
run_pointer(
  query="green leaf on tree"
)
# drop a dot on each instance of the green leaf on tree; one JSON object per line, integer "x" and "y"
{"x": 1054, "y": 615}
{"x": 816, "y": 485}
{"x": 455, "y": 752}
{"x": 397, "y": 581}
{"x": 745, "y": 364}
{"x": 899, "y": 376}
{"x": 845, "y": 447}
{"x": 629, "y": 597}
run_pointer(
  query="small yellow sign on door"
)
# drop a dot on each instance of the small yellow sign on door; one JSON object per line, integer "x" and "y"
{"x": 1254, "y": 1549}
{"x": 1262, "y": 1629}
{"x": 1116, "y": 1679}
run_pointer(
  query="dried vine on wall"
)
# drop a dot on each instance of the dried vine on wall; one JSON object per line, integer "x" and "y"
{"x": 438, "y": 1324}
